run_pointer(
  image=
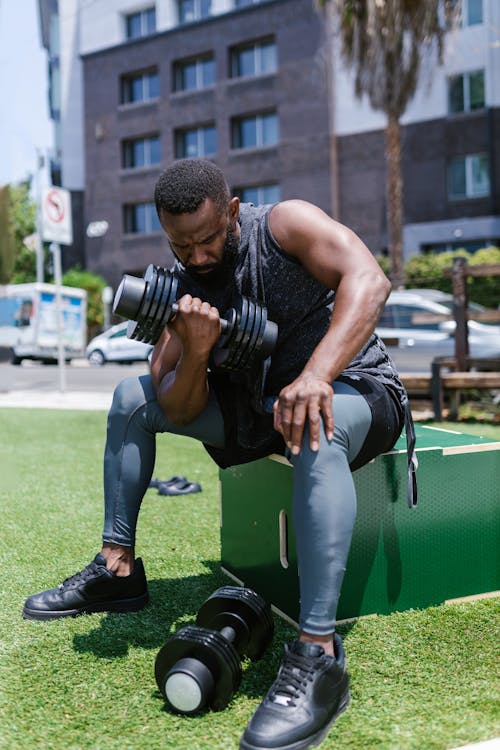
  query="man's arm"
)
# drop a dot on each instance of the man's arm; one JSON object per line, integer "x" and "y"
{"x": 336, "y": 257}
{"x": 180, "y": 360}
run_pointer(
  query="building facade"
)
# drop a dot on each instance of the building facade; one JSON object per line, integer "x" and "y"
{"x": 246, "y": 84}
{"x": 246, "y": 89}
{"x": 450, "y": 144}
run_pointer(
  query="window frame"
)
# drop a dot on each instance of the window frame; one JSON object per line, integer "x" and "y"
{"x": 468, "y": 161}
{"x": 129, "y": 143}
{"x": 143, "y": 20}
{"x": 197, "y": 12}
{"x": 236, "y": 123}
{"x": 179, "y": 66}
{"x": 246, "y": 3}
{"x": 256, "y": 45}
{"x": 465, "y": 79}
{"x": 463, "y": 10}
{"x": 181, "y": 133}
{"x": 261, "y": 196}
{"x": 145, "y": 76}
{"x": 149, "y": 219}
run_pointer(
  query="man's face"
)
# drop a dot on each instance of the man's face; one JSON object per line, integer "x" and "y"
{"x": 205, "y": 241}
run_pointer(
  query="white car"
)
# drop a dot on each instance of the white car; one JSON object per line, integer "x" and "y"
{"x": 114, "y": 346}
{"x": 413, "y": 344}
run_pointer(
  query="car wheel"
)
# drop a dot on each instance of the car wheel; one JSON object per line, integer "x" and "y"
{"x": 96, "y": 358}
{"x": 14, "y": 359}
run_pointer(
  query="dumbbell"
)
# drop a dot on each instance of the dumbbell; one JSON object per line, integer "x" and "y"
{"x": 200, "y": 666}
{"x": 150, "y": 303}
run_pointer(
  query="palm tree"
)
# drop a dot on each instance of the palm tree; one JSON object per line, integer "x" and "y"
{"x": 384, "y": 42}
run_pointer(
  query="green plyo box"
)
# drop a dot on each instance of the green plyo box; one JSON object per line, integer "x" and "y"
{"x": 445, "y": 548}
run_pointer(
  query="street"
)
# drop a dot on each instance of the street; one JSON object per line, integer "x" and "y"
{"x": 80, "y": 376}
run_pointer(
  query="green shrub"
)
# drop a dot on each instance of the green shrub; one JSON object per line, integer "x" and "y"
{"x": 94, "y": 284}
{"x": 385, "y": 264}
{"x": 422, "y": 271}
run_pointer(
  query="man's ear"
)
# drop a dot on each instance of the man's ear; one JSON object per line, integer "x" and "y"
{"x": 234, "y": 209}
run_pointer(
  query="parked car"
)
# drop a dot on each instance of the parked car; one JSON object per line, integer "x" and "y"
{"x": 436, "y": 295}
{"x": 413, "y": 345}
{"x": 114, "y": 346}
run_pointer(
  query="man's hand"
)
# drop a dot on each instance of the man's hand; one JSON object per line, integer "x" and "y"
{"x": 197, "y": 324}
{"x": 307, "y": 398}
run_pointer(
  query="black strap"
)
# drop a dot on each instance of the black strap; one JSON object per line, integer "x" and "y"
{"x": 412, "y": 456}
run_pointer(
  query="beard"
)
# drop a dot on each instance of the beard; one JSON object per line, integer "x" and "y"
{"x": 216, "y": 274}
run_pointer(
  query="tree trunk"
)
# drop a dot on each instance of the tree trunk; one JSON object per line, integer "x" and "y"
{"x": 394, "y": 200}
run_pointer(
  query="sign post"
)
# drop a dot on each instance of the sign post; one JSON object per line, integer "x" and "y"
{"x": 57, "y": 228}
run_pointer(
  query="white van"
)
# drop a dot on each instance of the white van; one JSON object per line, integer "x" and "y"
{"x": 28, "y": 322}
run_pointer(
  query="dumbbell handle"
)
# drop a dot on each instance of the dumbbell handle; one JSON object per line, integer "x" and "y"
{"x": 223, "y": 322}
{"x": 228, "y": 633}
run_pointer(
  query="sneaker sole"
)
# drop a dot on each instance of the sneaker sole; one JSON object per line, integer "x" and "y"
{"x": 120, "y": 605}
{"x": 312, "y": 741}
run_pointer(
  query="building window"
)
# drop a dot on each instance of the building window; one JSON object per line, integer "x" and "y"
{"x": 244, "y": 3}
{"x": 466, "y": 92}
{"x": 255, "y": 131}
{"x": 472, "y": 246}
{"x": 253, "y": 59}
{"x": 140, "y": 87}
{"x": 141, "y": 152}
{"x": 469, "y": 176}
{"x": 468, "y": 12}
{"x": 196, "y": 73}
{"x": 141, "y": 218}
{"x": 141, "y": 23}
{"x": 195, "y": 142}
{"x": 194, "y": 10}
{"x": 259, "y": 195}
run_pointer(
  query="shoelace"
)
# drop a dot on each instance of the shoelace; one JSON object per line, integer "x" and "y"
{"x": 293, "y": 679}
{"x": 80, "y": 577}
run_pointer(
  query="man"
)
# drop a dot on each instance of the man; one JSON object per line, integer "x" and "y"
{"x": 329, "y": 398}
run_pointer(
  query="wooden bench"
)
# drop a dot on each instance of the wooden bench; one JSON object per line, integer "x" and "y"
{"x": 437, "y": 382}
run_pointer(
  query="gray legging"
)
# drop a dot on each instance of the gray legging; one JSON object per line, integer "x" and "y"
{"x": 324, "y": 497}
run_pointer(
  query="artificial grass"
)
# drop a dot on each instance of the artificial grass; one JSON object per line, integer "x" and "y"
{"x": 419, "y": 679}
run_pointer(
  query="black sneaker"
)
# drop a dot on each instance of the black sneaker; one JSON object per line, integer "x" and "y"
{"x": 94, "y": 589}
{"x": 310, "y": 692}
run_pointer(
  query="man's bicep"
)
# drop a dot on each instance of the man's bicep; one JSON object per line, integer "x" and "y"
{"x": 166, "y": 354}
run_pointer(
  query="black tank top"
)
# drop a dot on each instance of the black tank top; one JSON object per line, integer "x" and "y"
{"x": 302, "y": 307}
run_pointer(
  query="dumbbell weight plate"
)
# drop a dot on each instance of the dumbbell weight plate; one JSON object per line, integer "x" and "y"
{"x": 169, "y": 297}
{"x": 268, "y": 336}
{"x": 166, "y": 295}
{"x": 140, "y": 331}
{"x": 156, "y": 281}
{"x": 215, "y": 653}
{"x": 235, "y": 340}
{"x": 161, "y": 293}
{"x": 226, "y": 356}
{"x": 246, "y": 611}
{"x": 246, "y": 335}
{"x": 161, "y": 278}
{"x": 247, "y": 355}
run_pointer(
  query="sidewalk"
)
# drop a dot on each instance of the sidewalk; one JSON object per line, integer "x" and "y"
{"x": 81, "y": 400}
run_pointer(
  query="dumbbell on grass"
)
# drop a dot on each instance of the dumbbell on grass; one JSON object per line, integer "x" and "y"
{"x": 150, "y": 303}
{"x": 200, "y": 666}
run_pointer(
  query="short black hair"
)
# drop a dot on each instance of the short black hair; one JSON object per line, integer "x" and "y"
{"x": 182, "y": 187}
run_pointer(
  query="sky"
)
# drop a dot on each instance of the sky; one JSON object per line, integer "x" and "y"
{"x": 24, "y": 118}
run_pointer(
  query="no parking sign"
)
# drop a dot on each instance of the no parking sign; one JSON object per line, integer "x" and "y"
{"x": 57, "y": 225}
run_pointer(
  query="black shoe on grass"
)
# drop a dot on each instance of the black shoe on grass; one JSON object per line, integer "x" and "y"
{"x": 310, "y": 692}
{"x": 93, "y": 589}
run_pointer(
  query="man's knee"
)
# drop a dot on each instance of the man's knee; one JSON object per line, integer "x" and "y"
{"x": 130, "y": 394}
